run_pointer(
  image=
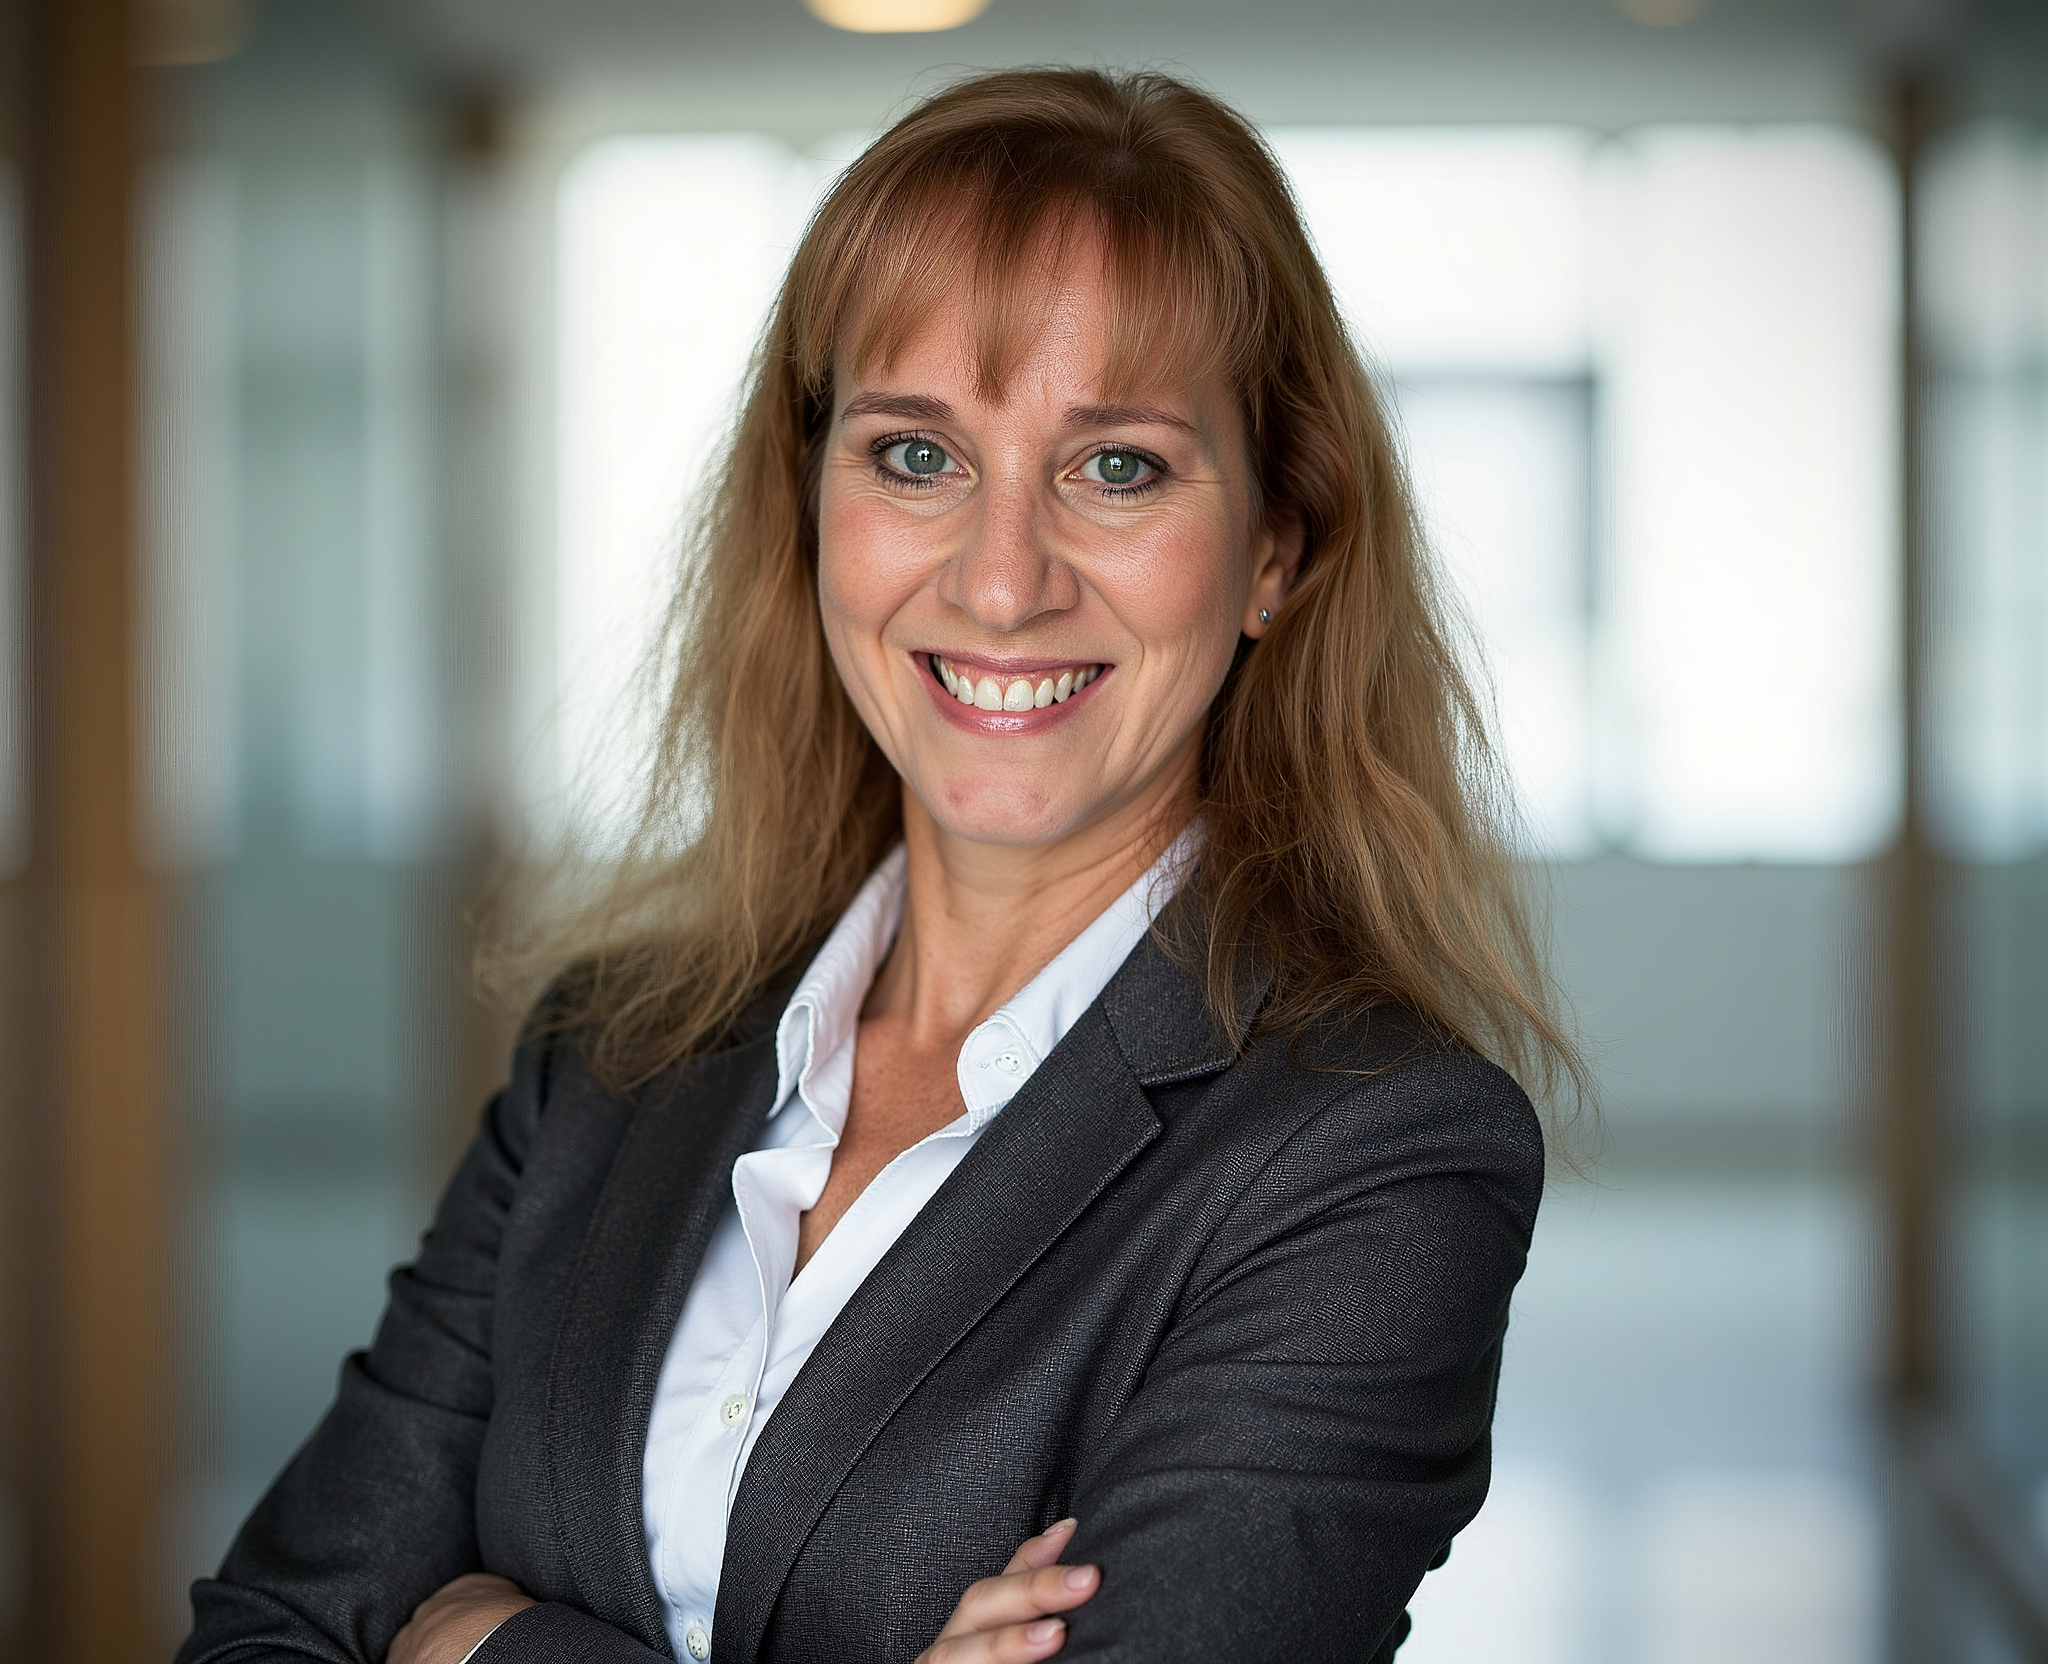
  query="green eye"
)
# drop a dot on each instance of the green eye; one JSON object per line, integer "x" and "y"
{"x": 1117, "y": 468}
{"x": 918, "y": 456}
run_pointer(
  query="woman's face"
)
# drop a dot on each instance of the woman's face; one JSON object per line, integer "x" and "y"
{"x": 1033, "y": 600}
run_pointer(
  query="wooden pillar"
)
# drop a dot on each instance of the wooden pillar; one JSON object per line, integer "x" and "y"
{"x": 95, "y": 1052}
{"x": 479, "y": 320}
{"x": 1910, "y": 1144}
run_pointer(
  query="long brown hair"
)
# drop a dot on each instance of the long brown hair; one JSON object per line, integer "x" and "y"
{"x": 1358, "y": 841}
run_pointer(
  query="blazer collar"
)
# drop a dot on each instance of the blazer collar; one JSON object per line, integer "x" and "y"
{"x": 1160, "y": 1014}
{"x": 1080, "y": 1119}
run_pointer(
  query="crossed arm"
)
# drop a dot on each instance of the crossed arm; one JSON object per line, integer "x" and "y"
{"x": 1012, "y": 1618}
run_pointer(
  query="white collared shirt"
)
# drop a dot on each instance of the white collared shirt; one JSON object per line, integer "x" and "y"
{"x": 746, "y": 1327}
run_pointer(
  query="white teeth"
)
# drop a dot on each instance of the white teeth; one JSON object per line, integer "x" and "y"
{"x": 1019, "y": 693}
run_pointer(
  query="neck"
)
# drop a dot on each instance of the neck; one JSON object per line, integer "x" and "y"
{"x": 981, "y": 920}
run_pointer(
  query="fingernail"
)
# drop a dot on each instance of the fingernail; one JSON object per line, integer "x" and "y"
{"x": 1078, "y": 1577}
{"x": 1066, "y": 1524}
{"x": 1044, "y": 1630}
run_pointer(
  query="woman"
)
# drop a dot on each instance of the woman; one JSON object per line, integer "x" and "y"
{"x": 1050, "y": 1079}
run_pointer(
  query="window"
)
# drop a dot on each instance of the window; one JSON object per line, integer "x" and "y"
{"x": 1648, "y": 390}
{"x": 669, "y": 252}
{"x": 1985, "y": 285}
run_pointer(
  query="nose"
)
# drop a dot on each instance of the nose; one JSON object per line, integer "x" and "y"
{"x": 1009, "y": 571}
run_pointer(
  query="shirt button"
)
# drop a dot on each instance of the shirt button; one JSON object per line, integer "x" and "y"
{"x": 697, "y": 1641}
{"x": 732, "y": 1412}
{"x": 1009, "y": 1062}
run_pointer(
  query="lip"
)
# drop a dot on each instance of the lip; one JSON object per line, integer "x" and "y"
{"x": 973, "y": 720}
{"x": 1006, "y": 669}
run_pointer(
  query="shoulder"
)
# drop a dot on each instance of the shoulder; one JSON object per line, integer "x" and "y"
{"x": 1374, "y": 1099}
{"x": 1378, "y": 1087}
{"x": 1391, "y": 1182}
{"x": 1387, "y": 1072}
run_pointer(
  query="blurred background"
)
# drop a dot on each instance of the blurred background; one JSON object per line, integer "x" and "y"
{"x": 356, "y": 363}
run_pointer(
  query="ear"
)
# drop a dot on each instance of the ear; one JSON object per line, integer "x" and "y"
{"x": 1276, "y": 564}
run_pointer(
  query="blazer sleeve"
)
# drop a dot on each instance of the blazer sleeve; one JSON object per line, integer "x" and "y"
{"x": 378, "y": 1509}
{"x": 1315, "y": 1426}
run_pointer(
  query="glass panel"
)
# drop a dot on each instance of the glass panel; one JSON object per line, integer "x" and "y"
{"x": 1504, "y": 467}
{"x": 1749, "y": 326}
{"x": 1464, "y": 260}
{"x": 670, "y": 252}
{"x": 1718, "y": 684}
{"x": 1985, "y": 285}
{"x": 307, "y": 776}
{"x": 1454, "y": 249}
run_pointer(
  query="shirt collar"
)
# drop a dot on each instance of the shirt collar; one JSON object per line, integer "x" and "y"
{"x": 823, "y": 1014}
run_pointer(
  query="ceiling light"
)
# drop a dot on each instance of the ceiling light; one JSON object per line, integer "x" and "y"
{"x": 1660, "y": 14}
{"x": 896, "y": 17}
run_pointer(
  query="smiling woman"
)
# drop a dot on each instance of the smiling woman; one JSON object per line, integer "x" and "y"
{"x": 1062, "y": 1088}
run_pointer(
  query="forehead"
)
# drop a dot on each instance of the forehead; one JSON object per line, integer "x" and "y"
{"x": 1062, "y": 305}
{"x": 1058, "y": 356}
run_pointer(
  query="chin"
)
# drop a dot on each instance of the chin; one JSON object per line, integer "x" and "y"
{"x": 1000, "y": 815}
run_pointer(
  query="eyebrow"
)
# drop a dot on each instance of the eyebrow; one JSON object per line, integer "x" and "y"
{"x": 1126, "y": 415}
{"x": 909, "y": 407}
{"x": 919, "y": 407}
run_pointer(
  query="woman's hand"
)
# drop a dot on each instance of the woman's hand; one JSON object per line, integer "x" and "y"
{"x": 1009, "y": 1619}
{"x": 449, "y": 1623}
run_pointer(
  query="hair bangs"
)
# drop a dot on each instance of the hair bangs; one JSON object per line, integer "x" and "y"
{"x": 1183, "y": 299}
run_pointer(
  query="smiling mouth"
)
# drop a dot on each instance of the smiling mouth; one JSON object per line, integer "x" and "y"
{"x": 985, "y": 692}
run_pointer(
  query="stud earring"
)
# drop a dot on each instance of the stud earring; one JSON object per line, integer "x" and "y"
{"x": 1264, "y": 616}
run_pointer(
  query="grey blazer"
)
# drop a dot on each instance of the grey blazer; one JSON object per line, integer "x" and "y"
{"x": 1238, "y": 1308}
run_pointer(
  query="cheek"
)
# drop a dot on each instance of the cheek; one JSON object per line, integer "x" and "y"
{"x": 871, "y": 556}
{"x": 862, "y": 580}
{"x": 1186, "y": 599}
{"x": 850, "y": 609}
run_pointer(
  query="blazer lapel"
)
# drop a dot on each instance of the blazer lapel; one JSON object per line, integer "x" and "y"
{"x": 667, "y": 1188}
{"x": 1075, "y": 1125}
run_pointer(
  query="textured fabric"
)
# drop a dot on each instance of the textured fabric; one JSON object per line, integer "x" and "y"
{"x": 1239, "y": 1308}
{"x": 746, "y": 1327}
